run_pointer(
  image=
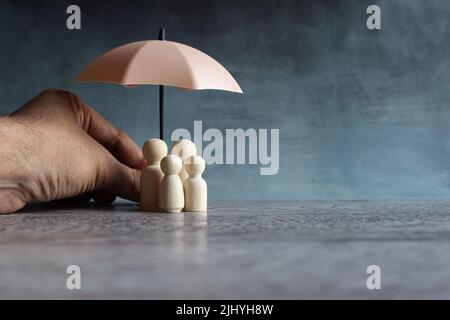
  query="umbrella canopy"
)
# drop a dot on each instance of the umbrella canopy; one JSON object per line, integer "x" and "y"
{"x": 159, "y": 62}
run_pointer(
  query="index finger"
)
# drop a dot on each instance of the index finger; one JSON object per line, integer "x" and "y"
{"x": 116, "y": 141}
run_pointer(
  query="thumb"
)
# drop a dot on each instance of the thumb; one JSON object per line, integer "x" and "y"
{"x": 124, "y": 181}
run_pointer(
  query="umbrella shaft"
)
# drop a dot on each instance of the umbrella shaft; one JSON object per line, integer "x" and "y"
{"x": 161, "y": 112}
{"x": 161, "y": 36}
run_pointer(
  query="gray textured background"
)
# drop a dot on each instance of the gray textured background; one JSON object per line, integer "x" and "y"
{"x": 362, "y": 114}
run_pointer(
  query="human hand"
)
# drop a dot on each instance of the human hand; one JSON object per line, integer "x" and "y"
{"x": 57, "y": 147}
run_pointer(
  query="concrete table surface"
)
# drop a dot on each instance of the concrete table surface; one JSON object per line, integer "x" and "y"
{"x": 240, "y": 250}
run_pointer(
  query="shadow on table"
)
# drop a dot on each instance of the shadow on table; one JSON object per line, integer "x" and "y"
{"x": 75, "y": 204}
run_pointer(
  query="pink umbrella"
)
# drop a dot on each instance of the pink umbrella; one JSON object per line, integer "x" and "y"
{"x": 159, "y": 62}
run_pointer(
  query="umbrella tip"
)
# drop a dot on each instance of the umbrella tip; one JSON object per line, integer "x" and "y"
{"x": 162, "y": 34}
